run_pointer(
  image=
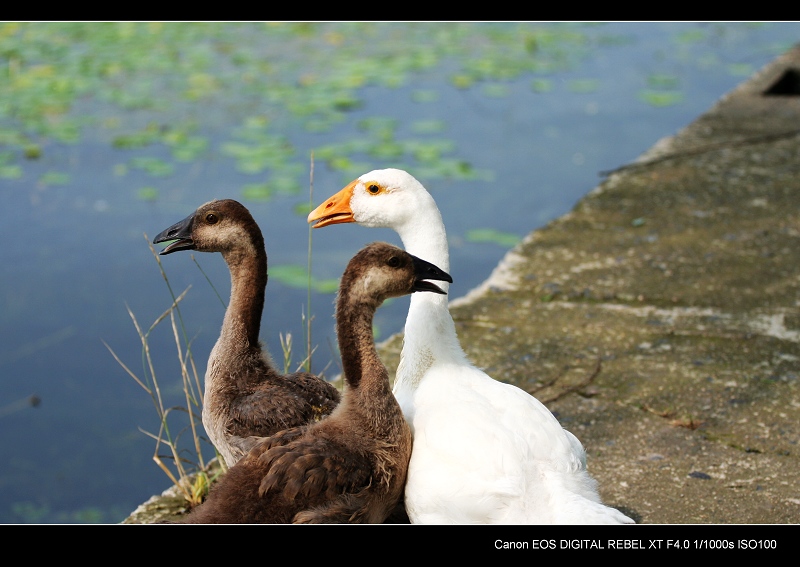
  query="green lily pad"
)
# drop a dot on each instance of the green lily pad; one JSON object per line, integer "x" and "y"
{"x": 386, "y": 150}
{"x": 11, "y": 171}
{"x": 427, "y": 126}
{"x": 32, "y": 151}
{"x": 462, "y": 81}
{"x": 492, "y": 236}
{"x": 424, "y": 95}
{"x": 54, "y": 178}
{"x": 290, "y": 275}
{"x": 153, "y": 166}
{"x": 327, "y": 286}
{"x": 296, "y": 276}
{"x": 430, "y": 152}
{"x": 257, "y": 191}
{"x": 583, "y": 85}
{"x": 147, "y": 194}
{"x": 661, "y": 98}
{"x": 691, "y": 36}
{"x": 140, "y": 139}
{"x": 542, "y": 85}
{"x": 663, "y": 81}
{"x": 495, "y": 90}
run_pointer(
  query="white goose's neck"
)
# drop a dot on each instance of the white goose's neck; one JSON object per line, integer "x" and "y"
{"x": 425, "y": 238}
{"x": 429, "y": 331}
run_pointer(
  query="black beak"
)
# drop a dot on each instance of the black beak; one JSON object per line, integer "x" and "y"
{"x": 426, "y": 271}
{"x": 181, "y": 233}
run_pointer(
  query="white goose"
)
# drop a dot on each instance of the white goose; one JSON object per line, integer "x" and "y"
{"x": 485, "y": 452}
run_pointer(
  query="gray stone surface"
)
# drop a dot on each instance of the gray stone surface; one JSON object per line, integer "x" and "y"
{"x": 660, "y": 319}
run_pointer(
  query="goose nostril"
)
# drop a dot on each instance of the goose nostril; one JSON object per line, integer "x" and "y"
{"x": 329, "y": 205}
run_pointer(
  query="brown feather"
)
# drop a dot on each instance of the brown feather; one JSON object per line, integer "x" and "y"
{"x": 350, "y": 467}
{"x": 246, "y": 397}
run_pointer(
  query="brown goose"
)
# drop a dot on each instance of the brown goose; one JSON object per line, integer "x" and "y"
{"x": 246, "y": 398}
{"x": 350, "y": 467}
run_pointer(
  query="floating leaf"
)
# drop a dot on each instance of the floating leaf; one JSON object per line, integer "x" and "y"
{"x": 153, "y": 166}
{"x": 691, "y": 36}
{"x": 386, "y": 150}
{"x": 290, "y": 275}
{"x": 185, "y": 147}
{"x": 150, "y": 134}
{"x": 341, "y": 163}
{"x": 201, "y": 85}
{"x": 453, "y": 169}
{"x": 662, "y": 81}
{"x": 264, "y": 152}
{"x": 296, "y": 276}
{"x": 286, "y": 184}
{"x": 427, "y": 126}
{"x": 147, "y": 194}
{"x": 424, "y": 95}
{"x": 302, "y": 209}
{"x": 67, "y": 131}
{"x": 325, "y": 286}
{"x": 541, "y": 85}
{"x": 461, "y": 81}
{"x": 493, "y": 236}
{"x": 32, "y": 151}
{"x": 384, "y": 127}
{"x": 11, "y": 137}
{"x": 10, "y": 171}
{"x": 430, "y": 151}
{"x": 190, "y": 149}
{"x": 661, "y": 98}
{"x": 54, "y": 178}
{"x": 257, "y": 191}
{"x": 496, "y": 90}
{"x": 346, "y": 102}
{"x": 318, "y": 125}
{"x": 583, "y": 85}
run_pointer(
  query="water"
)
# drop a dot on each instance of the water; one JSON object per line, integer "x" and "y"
{"x": 76, "y": 255}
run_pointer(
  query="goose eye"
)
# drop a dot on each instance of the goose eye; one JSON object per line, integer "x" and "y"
{"x": 373, "y": 189}
{"x": 212, "y": 218}
{"x": 393, "y": 262}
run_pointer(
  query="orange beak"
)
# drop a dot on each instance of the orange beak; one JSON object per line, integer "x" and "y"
{"x": 335, "y": 210}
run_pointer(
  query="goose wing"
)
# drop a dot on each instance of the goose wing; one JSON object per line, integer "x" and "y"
{"x": 485, "y": 451}
{"x": 297, "y": 400}
{"x": 314, "y": 469}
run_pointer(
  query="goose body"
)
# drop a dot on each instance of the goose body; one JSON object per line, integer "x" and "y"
{"x": 485, "y": 452}
{"x": 350, "y": 467}
{"x": 246, "y": 398}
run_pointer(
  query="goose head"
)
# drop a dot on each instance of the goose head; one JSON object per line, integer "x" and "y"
{"x": 383, "y": 198}
{"x": 391, "y": 198}
{"x": 381, "y": 270}
{"x": 216, "y": 226}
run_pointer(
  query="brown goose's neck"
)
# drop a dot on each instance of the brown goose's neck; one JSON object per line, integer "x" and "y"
{"x": 361, "y": 366}
{"x": 248, "y": 281}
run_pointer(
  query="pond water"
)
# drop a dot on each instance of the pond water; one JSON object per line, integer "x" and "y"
{"x": 505, "y": 137}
